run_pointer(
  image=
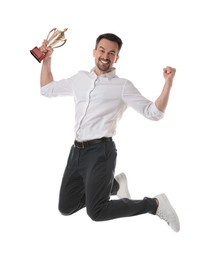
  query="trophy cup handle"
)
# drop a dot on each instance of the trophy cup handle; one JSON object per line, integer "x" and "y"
{"x": 61, "y": 44}
{"x": 54, "y": 29}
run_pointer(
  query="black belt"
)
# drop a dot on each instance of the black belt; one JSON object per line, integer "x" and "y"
{"x": 91, "y": 142}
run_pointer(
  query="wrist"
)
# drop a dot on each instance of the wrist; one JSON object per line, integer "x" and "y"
{"x": 47, "y": 61}
{"x": 47, "y": 58}
{"x": 168, "y": 83}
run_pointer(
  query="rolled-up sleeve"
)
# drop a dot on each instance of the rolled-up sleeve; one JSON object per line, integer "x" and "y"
{"x": 57, "y": 88}
{"x": 133, "y": 98}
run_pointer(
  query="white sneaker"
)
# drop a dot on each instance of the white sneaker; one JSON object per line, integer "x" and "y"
{"x": 166, "y": 212}
{"x": 123, "y": 191}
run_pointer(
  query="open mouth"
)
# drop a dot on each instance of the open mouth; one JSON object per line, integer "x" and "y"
{"x": 105, "y": 62}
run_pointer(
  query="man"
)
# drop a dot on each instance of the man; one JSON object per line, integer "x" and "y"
{"x": 101, "y": 97}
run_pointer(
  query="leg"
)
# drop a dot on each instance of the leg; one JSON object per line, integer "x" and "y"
{"x": 72, "y": 194}
{"x": 99, "y": 183}
{"x": 115, "y": 187}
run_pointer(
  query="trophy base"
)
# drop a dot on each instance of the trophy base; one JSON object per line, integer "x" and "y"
{"x": 37, "y": 54}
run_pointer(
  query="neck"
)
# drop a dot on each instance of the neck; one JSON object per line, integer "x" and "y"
{"x": 100, "y": 72}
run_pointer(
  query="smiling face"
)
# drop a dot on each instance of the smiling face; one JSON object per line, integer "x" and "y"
{"x": 106, "y": 54}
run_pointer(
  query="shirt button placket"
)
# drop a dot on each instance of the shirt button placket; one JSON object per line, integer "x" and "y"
{"x": 85, "y": 110}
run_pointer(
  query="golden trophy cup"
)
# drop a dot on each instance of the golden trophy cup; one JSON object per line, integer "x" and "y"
{"x": 55, "y": 38}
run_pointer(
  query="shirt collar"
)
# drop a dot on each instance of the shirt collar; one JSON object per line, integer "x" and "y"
{"x": 108, "y": 75}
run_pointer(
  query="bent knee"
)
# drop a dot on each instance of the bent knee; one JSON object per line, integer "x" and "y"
{"x": 66, "y": 211}
{"x": 95, "y": 215}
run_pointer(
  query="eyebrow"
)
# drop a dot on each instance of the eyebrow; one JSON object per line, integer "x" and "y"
{"x": 112, "y": 51}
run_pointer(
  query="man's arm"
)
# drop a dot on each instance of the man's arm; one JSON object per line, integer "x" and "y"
{"x": 162, "y": 100}
{"x": 46, "y": 75}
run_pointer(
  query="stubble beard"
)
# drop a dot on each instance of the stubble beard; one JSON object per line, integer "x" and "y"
{"x": 103, "y": 67}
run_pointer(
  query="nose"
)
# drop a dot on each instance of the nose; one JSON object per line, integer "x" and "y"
{"x": 105, "y": 56}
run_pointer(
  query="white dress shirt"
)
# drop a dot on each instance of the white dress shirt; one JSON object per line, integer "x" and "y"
{"x": 100, "y": 102}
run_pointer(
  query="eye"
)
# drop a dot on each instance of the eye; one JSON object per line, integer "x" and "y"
{"x": 112, "y": 53}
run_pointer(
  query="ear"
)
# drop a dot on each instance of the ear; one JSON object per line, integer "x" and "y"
{"x": 94, "y": 52}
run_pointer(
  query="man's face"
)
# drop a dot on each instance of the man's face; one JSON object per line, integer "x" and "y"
{"x": 105, "y": 56}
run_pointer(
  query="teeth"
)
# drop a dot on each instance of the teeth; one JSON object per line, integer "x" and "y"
{"x": 105, "y": 62}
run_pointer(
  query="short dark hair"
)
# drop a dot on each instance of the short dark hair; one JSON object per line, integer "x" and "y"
{"x": 111, "y": 37}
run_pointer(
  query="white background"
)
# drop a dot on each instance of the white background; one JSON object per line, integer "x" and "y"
{"x": 36, "y": 132}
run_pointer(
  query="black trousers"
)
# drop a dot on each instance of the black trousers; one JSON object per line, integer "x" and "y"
{"x": 88, "y": 181}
